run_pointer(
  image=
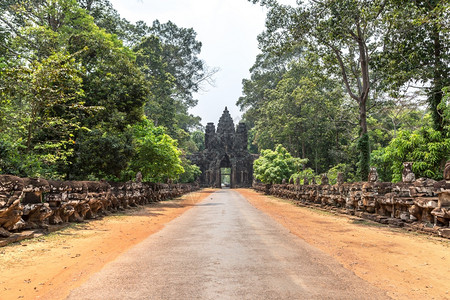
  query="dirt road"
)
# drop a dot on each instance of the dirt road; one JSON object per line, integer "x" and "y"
{"x": 224, "y": 248}
{"x": 51, "y": 266}
{"x": 404, "y": 265}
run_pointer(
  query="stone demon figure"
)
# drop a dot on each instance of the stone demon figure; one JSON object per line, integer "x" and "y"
{"x": 407, "y": 174}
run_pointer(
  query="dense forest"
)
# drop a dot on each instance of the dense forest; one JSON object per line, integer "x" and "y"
{"x": 341, "y": 86}
{"x": 85, "y": 94}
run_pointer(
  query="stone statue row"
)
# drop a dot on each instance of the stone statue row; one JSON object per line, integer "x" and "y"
{"x": 29, "y": 203}
{"x": 411, "y": 201}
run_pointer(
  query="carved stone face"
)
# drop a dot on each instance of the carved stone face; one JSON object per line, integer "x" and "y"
{"x": 230, "y": 141}
{"x": 407, "y": 167}
{"x": 447, "y": 171}
{"x": 305, "y": 181}
{"x": 324, "y": 179}
{"x": 407, "y": 173}
{"x": 139, "y": 177}
{"x": 340, "y": 178}
{"x": 373, "y": 174}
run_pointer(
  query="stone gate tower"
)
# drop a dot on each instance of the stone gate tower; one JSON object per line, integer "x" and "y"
{"x": 225, "y": 148}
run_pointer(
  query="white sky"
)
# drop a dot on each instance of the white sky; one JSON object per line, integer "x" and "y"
{"x": 227, "y": 30}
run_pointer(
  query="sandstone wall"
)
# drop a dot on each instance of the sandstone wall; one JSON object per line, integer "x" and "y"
{"x": 422, "y": 204}
{"x": 29, "y": 203}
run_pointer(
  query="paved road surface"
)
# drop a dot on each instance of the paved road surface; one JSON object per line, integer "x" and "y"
{"x": 224, "y": 248}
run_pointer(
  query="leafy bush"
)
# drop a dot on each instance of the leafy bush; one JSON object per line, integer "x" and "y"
{"x": 306, "y": 173}
{"x": 156, "y": 154}
{"x": 274, "y": 166}
{"x": 333, "y": 172}
{"x": 427, "y": 148}
{"x": 444, "y": 106}
{"x": 191, "y": 172}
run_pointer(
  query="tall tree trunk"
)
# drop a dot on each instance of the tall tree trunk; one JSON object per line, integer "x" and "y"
{"x": 363, "y": 142}
{"x": 436, "y": 91}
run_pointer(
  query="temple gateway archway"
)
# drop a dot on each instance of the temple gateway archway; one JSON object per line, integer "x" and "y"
{"x": 225, "y": 155}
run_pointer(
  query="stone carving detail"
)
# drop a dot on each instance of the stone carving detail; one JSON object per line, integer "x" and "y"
{"x": 447, "y": 171}
{"x": 421, "y": 203}
{"x": 30, "y": 203}
{"x": 225, "y": 147}
{"x": 373, "y": 175}
{"x": 340, "y": 178}
{"x": 139, "y": 177}
{"x": 407, "y": 173}
{"x": 305, "y": 181}
{"x": 324, "y": 178}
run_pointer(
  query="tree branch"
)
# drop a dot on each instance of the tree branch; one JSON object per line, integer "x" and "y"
{"x": 344, "y": 73}
{"x": 13, "y": 28}
{"x": 364, "y": 64}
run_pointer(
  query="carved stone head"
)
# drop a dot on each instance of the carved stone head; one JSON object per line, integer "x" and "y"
{"x": 139, "y": 177}
{"x": 447, "y": 171}
{"x": 407, "y": 173}
{"x": 305, "y": 180}
{"x": 324, "y": 178}
{"x": 373, "y": 175}
{"x": 340, "y": 178}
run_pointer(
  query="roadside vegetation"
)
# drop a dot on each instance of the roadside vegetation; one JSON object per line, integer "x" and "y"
{"x": 85, "y": 94}
{"x": 341, "y": 85}
{"x": 350, "y": 84}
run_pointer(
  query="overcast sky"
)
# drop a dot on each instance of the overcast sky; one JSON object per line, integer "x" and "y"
{"x": 227, "y": 30}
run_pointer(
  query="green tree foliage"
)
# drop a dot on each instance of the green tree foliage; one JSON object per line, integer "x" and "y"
{"x": 74, "y": 89}
{"x": 427, "y": 148}
{"x": 306, "y": 173}
{"x": 180, "y": 51}
{"x": 304, "y": 112}
{"x": 345, "y": 35}
{"x": 191, "y": 172}
{"x": 275, "y": 165}
{"x": 416, "y": 50}
{"x": 198, "y": 138}
{"x": 160, "y": 106}
{"x": 156, "y": 154}
{"x": 102, "y": 154}
{"x": 169, "y": 54}
{"x": 444, "y": 107}
{"x": 380, "y": 52}
{"x": 48, "y": 96}
{"x": 266, "y": 72}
